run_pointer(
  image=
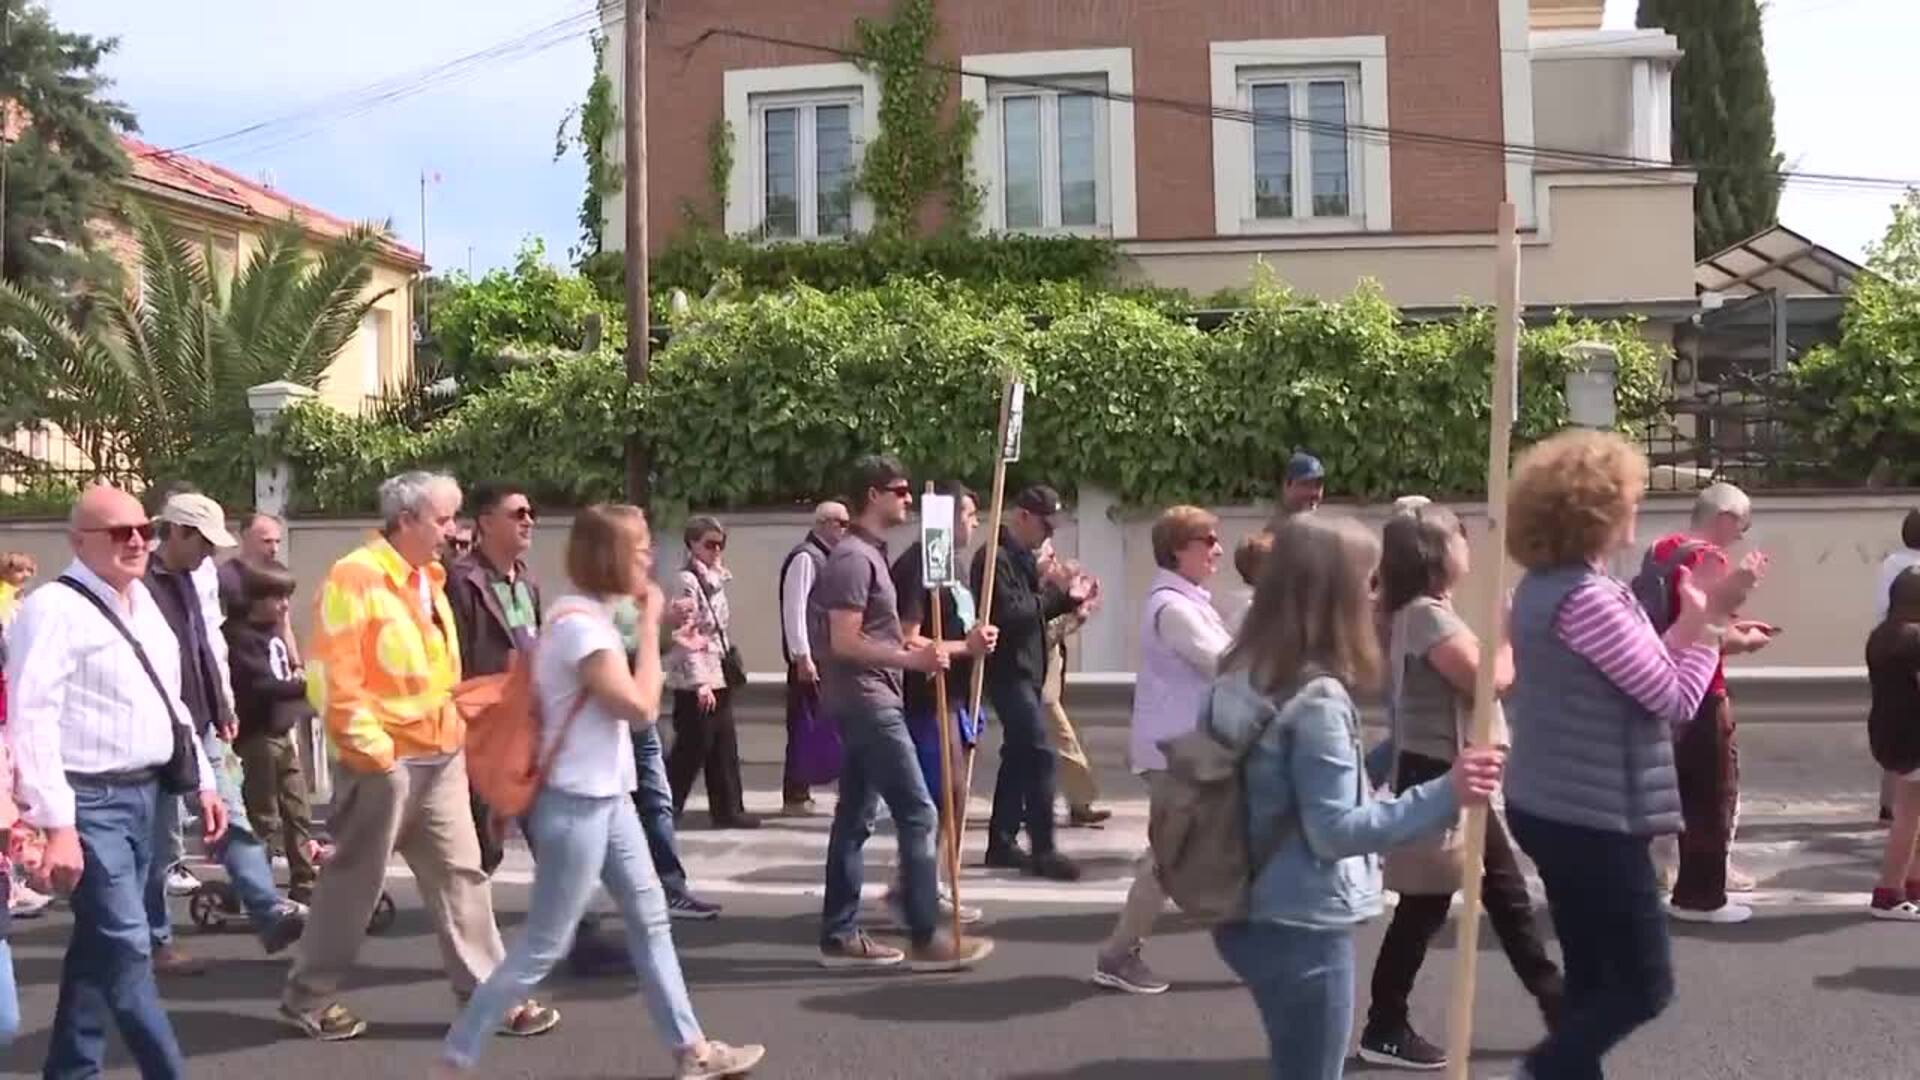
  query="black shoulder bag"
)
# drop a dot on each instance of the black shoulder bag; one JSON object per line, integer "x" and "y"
{"x": 181, "y": 774}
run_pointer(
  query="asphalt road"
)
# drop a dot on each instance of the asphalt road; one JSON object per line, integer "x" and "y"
{"x": 1809, "y": 989}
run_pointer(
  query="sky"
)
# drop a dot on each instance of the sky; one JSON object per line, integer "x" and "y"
{"x": 192, "y": 69}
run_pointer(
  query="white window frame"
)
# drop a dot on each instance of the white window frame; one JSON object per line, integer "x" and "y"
{"x": 806, "y": 151}
{"x": 1297, "y": 80}
{"x": 1238, "y": 65}
{"x": 748, "y": 93}
{"x": 989, "y": 77}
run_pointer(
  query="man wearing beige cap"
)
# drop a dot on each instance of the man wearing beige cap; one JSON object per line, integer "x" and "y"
{"x": 191, "y": 528}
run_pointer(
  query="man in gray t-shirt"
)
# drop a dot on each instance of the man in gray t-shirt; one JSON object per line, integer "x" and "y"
{"x": 861, "y": 649}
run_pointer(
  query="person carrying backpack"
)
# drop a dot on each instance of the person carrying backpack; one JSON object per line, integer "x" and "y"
{"x": 1312, "y": 828}
{"x": 1181, "y": 640}
{"x": 559, "y": 740}
{"x": 1706, "y": 759}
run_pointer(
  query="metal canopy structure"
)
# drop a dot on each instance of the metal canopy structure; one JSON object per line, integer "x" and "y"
{"x": 1776, "y": 260}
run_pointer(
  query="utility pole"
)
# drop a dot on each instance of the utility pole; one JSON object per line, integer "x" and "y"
{"x": 633, "y": 40}
{"x": 6, "y": 142}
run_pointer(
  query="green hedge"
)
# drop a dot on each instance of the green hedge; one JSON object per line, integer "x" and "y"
{"x": 697, "y": 259}
{"x": 765, "y": 401}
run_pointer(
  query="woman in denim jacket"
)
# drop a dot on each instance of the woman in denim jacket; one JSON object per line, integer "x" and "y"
{"x": 1287, "y": 683}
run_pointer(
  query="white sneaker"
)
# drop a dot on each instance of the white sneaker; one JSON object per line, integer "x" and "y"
{"x": 1725, "y": 915}
{"x": 181, "y": 881}
{"x": 26, "y": 902}
{"x": 1904, "y": 911}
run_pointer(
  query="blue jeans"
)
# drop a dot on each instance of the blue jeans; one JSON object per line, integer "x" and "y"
{"x": 1302, "y": 983}
{"x": 249, "y": 865}
{"x": 654, "y": 800}
{"x": 583, "y": 841}
{"x": 9, "y": 998}
{"x": 878, "y": 762}
{"x": 1605, "y": 901}
{"x": 1023, "y": 792}
{"x": 108, "y": 971}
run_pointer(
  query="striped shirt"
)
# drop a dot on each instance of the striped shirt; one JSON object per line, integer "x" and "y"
{"x": 78, "y": 700}
{"x": 1603, "y": 623}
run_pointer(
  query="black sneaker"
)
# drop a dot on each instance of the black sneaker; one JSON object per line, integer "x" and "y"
{"x": 1053, "y": 866}
{"x": 1403, "y": 1048}
{"x": 685, "y": 905}
{"x": 1005, "y": 859}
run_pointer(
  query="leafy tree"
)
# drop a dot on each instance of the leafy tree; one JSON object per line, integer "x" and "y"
{"x": 64, "y": 158}
{"x": 156, "y": 383}
{"x": 1722, "y": 116}
{"x": 1862, "y": 396}
{"x": 509, "y": 318}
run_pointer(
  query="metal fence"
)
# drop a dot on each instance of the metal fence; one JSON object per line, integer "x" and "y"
{"x": 1747, "y": 429}
{"x": 42, "y": 470}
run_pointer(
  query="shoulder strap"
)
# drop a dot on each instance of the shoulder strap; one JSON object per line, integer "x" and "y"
{"x": 1284, "y": 821}
{"x": 138, "y": 652}
{"x": 700, "y": 592}
{"x": 573, "y": 712}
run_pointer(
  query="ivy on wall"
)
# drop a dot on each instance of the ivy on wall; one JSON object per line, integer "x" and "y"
{"x": 921, "y": 149}
{"x": 589, "y": 126}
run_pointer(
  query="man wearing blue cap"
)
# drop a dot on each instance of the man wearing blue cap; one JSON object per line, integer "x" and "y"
{"x": 1302, "y": 485}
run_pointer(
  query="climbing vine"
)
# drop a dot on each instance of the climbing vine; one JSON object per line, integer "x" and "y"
{"x": 921, "y": 149}
{"x": 589, "y": 126}
{"x": 719, "y": 166}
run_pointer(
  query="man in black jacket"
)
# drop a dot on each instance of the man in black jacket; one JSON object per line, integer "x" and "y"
{"x": 1023, "y": 792}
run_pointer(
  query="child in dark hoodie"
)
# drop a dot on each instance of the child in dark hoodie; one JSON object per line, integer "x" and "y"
{"x": 270, "y": 701}
{"x": 1893, "y": 731}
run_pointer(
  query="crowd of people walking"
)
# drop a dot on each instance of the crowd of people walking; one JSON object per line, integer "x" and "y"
{"x": 149, "y": 675}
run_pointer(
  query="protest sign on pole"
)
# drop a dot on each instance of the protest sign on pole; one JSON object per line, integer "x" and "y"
{"x": 1013, "y": 399}
{"x": 938, "y": 571}
{"x": 1506, "y": 356}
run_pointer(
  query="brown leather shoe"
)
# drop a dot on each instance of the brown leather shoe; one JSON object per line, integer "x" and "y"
{"x": 173, "y": 960}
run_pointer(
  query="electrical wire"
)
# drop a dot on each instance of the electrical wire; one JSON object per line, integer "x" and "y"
{"x": 1364, "y": 133}
{"x": 315, "y": 116}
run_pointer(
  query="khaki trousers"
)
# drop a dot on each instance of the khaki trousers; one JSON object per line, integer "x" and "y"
{"x": 422, "y": 812}
{"x": 1074, "y": 772}
{"x": 1145, "y": 901}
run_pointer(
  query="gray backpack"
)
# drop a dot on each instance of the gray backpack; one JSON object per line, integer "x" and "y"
{"x": 1197, "y": 821}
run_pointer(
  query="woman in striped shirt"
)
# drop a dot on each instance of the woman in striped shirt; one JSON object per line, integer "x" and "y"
{"x": 1596, "y": 696}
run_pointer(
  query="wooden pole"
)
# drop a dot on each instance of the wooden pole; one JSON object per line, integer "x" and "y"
{"x": 633, "y": 39}
{"x": 984, "y": 602}
{"x": 1506, "y": 359}
{"x": 949, "y": 832}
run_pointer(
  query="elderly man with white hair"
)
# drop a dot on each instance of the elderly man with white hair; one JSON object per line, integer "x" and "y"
{"x": 797, "y": 574}
{"x": 381, "y": 673}
{"x": 1705, "y": 756}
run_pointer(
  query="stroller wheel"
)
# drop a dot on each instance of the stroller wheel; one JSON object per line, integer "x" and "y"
{"x": 208, "y": 907}
{"x": 383, "y": 914}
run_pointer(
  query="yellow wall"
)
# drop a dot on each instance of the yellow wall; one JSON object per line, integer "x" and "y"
{"x": 1606, "y": 238}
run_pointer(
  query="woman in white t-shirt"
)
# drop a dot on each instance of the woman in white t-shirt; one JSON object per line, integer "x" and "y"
{"x": 583, "y": 823}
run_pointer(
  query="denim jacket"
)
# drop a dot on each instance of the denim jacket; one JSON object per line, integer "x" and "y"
{"x": 1305, "y": 776}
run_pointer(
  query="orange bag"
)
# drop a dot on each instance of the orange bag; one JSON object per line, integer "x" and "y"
{"x": 504, "y": 765}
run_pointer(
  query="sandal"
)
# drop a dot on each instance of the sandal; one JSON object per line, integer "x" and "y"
{"x": 335, "y": 1023}
{"x": 529, "y": 1018}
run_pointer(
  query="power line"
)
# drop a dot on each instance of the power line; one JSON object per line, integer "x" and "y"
{"x": 1360, "y": 132}
{"x": 315, "y": 116}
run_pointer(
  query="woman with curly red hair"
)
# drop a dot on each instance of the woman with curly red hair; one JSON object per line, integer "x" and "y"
{"x": 1596, "y": 695}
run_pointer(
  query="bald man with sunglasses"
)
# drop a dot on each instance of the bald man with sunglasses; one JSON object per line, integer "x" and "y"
{"x": 95, "y": 674}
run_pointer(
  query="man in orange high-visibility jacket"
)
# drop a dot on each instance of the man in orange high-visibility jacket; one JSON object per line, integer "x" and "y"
{"x": 381, "y": 671}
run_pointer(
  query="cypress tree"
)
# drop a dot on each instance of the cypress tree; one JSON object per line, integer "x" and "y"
{"x": 1722, "y": 116}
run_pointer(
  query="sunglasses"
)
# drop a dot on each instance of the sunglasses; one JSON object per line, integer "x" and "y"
{"x": 460, "y": 544}
{"x": 714, "y": 544}
{"x": 124, "y": 534}
{"x": 524, "y": 513}
{"x": 1211, "y": 540}
{"x": 902, "y": 489}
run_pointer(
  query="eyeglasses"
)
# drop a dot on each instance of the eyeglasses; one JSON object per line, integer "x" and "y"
{"x": 902, "y": 489}
{"x": 124, "y": 534}
{"x": 524, "y": 513}
{"x": 460, "y": 543}
{"x": 714, "y": 543}
{"x": 836, "y": 523}
{"x": 1211, "y": 540}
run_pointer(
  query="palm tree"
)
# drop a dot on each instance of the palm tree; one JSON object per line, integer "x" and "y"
{"x": 153, "y": 383}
